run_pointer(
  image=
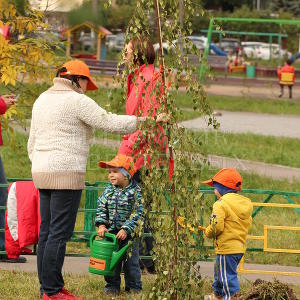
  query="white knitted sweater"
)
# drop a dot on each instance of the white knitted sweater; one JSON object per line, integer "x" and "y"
{"x": 61, "y": 128}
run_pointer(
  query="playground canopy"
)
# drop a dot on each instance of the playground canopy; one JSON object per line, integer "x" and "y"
{"x": 75, "y": 31}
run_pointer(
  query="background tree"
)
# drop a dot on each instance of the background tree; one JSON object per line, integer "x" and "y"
{"x": 114, "y": 17}
{"x": 291, "y": 6}
{"x": 20, "y": 5}
{"x": 171, "y": 183}
{"x": 24, "y": 58}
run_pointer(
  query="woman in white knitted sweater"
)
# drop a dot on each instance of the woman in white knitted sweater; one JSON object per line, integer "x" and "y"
{"x": 63, "y": 118}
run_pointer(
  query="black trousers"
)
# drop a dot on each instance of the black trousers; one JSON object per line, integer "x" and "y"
{"x": 290, "y": 90}
{"x": 146, "y": 243}
{"x": 58, "y": 215}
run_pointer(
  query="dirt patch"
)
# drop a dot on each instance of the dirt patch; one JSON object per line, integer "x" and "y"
{"x": 265, "y": 290}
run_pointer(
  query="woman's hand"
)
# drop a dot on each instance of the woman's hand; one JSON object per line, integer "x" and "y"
{"x": 101, "y": 230}
{"x": 121, "y": 235}
{"x": 163, "y": 118}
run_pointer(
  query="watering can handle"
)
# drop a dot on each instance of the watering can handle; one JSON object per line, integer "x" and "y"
{"x": 93, "y": 236}
{"x": 106, "y": 234}
{"x": 111, "y": 236}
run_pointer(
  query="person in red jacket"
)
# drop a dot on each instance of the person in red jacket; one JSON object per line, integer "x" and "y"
{"x": 142, "y": 99}
{"x": 143, "y": 87}
{"x": 6, "y": 101}
{"x": 286, "y": 76}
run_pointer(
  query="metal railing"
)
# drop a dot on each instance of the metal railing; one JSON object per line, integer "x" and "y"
{"x": 92, "y": 191}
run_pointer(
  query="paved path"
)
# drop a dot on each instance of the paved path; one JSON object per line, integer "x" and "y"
{"x": 226, "y": 86}
{"x": 257, "y": 123}
{"x": 79, "y": 265}
{"x": 262, "y": 92}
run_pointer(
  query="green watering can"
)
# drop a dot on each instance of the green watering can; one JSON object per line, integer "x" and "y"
{"x": 105, "y": 254}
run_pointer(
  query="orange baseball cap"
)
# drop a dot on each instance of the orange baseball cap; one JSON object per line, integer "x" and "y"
{"x": 228, "y": 177}
{"x": 120, "y": 161}
{"x": 78, "y": 67}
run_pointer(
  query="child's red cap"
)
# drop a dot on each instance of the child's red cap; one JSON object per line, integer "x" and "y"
{"x": 228, "y": 177}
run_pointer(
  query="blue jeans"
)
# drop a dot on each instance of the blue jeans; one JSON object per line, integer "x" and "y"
{"x": 226, "y": 283}
{"x": 3, "y": 198}
{"x": 58, "y": 215}
{"x": 132, "y": 273}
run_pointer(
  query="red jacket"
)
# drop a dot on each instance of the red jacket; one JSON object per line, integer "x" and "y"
{"x": 2, "y": 112}
{"x": 142, "y": 102}
{"x": 22, "y": 218}
{"x": 286, "y": 69}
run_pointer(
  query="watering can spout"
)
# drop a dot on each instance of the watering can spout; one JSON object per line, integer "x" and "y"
{"x": 117, "y": 256}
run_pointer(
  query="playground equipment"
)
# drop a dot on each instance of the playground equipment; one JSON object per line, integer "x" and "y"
{"x": 213, "y": 21}
{"x": 77, "y": 34}
{"x": 217, "y": 50}
{"x": 295, "y": 57}
{"x": 270, "y": 35}
{"x": 105, "y": 254}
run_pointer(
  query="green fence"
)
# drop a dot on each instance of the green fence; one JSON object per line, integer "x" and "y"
{"x": 92, "y": 191}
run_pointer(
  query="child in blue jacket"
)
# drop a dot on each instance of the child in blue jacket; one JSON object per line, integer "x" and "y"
{"x": 120, "y": 211}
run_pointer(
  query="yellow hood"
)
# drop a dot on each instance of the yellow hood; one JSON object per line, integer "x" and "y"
{"x": 241, "y": 206}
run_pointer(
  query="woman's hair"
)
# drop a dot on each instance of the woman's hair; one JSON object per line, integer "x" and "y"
{"x": 143, "y": 51}
{"x": 73, "y": 78}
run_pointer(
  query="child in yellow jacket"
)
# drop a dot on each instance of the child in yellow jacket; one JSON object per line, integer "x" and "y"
{"x": 229, "y": 225}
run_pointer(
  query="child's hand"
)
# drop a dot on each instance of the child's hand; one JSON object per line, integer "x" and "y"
{"x": 101, "y": 230}
{"x": 121, "y": 235}
{"x": 201, "y": 228}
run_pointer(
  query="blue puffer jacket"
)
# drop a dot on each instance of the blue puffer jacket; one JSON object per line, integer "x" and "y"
{"x": 119, "y": 208}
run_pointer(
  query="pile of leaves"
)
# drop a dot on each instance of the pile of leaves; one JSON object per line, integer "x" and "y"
{"x": 265, "y": 290}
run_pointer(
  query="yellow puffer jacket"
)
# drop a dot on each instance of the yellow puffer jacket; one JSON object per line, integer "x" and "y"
{"x": 229, "y": 223}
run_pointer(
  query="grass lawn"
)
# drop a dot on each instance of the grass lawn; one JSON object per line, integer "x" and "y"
{"x": 268, "y": 149}
{"x": 231, "y": 103}
{"x": 245, "y": 104}
{"x": 20, "y": 286}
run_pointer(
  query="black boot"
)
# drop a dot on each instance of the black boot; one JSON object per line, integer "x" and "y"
{"x": 20, "y": 259}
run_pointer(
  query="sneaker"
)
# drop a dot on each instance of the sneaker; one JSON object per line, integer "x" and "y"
{"x": 66, "y": 292}
{"x": 111, "y": 292}
{"x": 236, "y": 296}
{"x": 58, "y": 296}
{"x": 132, "y": 291}
{"x": 62, "y": 295}
{"x": 20, "y": 259}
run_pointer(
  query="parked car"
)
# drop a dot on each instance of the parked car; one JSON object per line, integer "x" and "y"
{"x": 262, "y": 50}
{"x": 111, "y": 41}
{"x": 228, "y": 44}
{"x": 251, "y": 49}
{"x": 275, "y": 49}
{"x": 87, "y": 41}
{"x": 198, "y": 41}
{"x": 119, "y": 42}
